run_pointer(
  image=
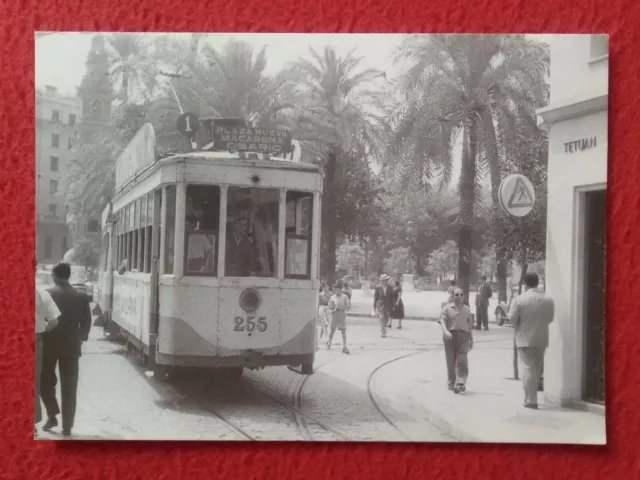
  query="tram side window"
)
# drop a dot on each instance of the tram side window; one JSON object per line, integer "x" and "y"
{"x": 201, "y": 229}
{"x": 299, "y": 208}
{"x": 104, "y": 252}
{"x": 169, "y": 230}
{"x": 252, "y": 232}
{"x": 148, "y": 235}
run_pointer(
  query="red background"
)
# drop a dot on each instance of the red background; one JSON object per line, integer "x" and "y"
{"x": 22, "y": 457}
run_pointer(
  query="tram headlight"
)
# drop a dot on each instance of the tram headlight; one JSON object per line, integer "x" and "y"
{"x": 250, "y": 300}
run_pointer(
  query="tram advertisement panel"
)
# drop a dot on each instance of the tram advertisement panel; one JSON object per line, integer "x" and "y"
{"x": 243, "y": 139}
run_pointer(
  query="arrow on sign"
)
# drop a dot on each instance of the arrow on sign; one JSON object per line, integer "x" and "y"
{"x": 521, "y": 196}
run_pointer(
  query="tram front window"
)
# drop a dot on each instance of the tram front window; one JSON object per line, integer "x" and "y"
{"x": 201, "y": 229}
{"x": 252, "y": 232}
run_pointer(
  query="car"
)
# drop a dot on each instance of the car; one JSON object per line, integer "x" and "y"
{"x": 80, "y": 281}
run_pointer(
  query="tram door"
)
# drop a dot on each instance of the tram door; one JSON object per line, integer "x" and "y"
{"x": 595, "y": 285}
{"x": 154, "y": 284}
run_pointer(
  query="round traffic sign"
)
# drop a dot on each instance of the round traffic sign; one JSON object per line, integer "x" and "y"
{"x": 517, "y": 196}
{"x": 188, "y": 124}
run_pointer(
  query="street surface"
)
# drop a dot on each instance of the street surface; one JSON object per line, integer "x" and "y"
{"x": 391, "y": 389}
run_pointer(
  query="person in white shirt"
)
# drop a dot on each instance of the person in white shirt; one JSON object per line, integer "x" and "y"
{"x": 47, "y": 314}
{"x": 339, "y": 305}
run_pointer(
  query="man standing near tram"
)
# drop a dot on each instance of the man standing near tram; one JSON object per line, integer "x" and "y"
{"x": 62, "y": 347}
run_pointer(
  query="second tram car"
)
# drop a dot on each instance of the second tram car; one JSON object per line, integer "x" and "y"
{"x": 210, "y": 259}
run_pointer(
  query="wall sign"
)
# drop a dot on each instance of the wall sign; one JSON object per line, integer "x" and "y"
{"x": 580, "y": 145}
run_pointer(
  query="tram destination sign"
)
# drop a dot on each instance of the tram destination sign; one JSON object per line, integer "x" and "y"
{"x": 247, "y": 139}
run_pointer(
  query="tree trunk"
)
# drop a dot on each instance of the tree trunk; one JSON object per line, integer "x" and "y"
{"x": 523, "y": 271}
{"x": 496, "y": 179}
{"x": 329, "y": 215}
{"x": 467, "y": 201}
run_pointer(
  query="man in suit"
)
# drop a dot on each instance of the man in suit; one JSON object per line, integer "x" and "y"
{"x": 241, "y": 256}
{"x": 482, "y": 305}
{"x": 531, "y": 313}
{"x": 383, "y": 303}
{"x": 62, "y": 347}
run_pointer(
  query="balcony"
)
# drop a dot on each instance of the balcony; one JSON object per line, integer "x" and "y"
{"x": 45, "y": 218}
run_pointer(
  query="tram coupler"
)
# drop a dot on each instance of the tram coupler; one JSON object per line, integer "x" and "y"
{"x": 306, "y": 369}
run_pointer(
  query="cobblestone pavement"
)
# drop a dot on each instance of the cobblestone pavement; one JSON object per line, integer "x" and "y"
{"x": 350, "y": 397}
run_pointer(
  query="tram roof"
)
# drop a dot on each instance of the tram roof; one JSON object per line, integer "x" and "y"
{"x": 243, "y": 159}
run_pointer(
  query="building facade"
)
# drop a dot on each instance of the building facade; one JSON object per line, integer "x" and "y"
{"x": 577, "y": 124}
{"x": 95, "y": 94}
{"x": 56, "y": 119}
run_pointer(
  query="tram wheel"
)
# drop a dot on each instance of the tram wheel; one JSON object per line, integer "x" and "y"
{"x": 161, "y": 373}
{"x": 307, "y": 368}
{"x": 232, "y": 373}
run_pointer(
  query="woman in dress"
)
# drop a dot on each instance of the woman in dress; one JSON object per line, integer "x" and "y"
{"x": 339, "y": 305}
{"x": 397, "y": 312}
{"x": 324, "y": 314}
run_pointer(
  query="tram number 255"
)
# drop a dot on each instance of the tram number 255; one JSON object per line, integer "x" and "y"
{"x": 250, "y": 324}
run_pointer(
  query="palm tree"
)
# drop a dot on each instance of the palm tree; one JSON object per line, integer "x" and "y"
{"x": 221, "y": 83}
{"x": 131, "y": 66}
{"x": 484, "y": 88}
{"x": 334, "y": 118}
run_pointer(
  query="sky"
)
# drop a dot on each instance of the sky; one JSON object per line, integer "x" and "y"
{"x": 60, "y": 58}
{"x": 377, "y": 50}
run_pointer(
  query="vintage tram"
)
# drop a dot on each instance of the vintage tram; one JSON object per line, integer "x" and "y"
{"x": 210, "y": 258}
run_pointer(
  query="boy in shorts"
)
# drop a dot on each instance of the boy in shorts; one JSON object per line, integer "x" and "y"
{"x": 339, "y": 305}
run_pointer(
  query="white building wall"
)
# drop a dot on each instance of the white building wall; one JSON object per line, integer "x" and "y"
{"x": 577, "y": 111}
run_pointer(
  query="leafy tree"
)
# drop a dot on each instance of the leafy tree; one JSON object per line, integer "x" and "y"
{"x": 350, "y": 256}
{"x": 88, "y": 181}
{"x": 524, "y": 239}
{"x": 399, "y": 261}
{"x": 132, "y": 68}
{"x": 444, "y": 260}
{"x": 330, "y": 117}
{"x": 482, "y": 87}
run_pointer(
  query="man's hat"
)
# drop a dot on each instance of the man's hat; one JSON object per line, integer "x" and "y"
{"x": 384, "y": 277}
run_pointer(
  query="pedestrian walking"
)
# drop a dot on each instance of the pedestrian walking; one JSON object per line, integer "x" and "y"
{"x": 383, "y": 303}
{"x": 456, "y": 324}
{"x": 339, "y": 304}
{"x": 397, "y": 311}
{"x": 482, "y": 304}
{"x": 531, "y": 313}
{"x": 47, "y": 314}
{"x": 347, "y": 290}
{"x": 62, "y": 347}
{"x": 451, "y": 289}
{"x": 324, "y": 314}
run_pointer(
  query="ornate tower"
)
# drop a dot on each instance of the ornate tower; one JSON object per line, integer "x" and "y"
{"x": 96, "y": 91}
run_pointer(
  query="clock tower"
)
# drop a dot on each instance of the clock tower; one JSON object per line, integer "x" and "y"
{"x": 96, "y": 91}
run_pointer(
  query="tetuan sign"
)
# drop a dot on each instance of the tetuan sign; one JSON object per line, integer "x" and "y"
{"x": 137, "y": 155}
{"x": 517, "y": 196}
{"x": 579, "y": 145}
{"x": 245, "y": 139}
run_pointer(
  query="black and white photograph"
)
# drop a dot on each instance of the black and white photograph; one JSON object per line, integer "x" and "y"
{"x": 321, "y": 237}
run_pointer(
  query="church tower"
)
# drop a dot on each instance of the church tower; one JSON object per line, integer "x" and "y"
{"x": 96, "y": 90}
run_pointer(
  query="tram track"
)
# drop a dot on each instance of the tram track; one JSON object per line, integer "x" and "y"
{"x": 372, "y": 394}
{"x": 303, "y": 419}
{"x": 305, "y": 423}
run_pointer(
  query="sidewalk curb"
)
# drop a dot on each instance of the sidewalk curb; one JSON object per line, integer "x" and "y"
{"x": 440, "y": 422}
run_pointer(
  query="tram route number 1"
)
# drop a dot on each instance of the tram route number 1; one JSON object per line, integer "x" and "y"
{"x": 250, "y": 324}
